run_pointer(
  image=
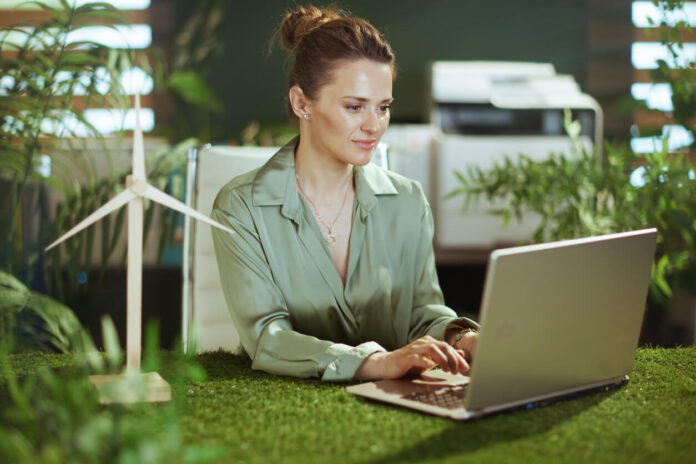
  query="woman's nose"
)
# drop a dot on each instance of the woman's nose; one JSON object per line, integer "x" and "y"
{"x": 370, "y": 122}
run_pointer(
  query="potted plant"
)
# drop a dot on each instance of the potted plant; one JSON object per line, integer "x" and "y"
{"x": 585, "y": 194}
{"x": 588, "y": 194}
{"x": 48, "y": 79}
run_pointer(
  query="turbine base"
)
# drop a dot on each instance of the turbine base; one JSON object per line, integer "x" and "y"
{"x": 131, "y": 387}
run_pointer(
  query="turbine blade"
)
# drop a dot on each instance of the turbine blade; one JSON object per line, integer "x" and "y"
{"x": 108, "y": 207}
{"x": 162, "y": 198}
{"x": 138, "y": 145}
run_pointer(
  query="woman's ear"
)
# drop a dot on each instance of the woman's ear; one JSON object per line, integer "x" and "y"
{"x": 298, "y": 102}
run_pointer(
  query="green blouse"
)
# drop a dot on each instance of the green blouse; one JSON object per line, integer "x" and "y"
{"x": 286, "y": 298}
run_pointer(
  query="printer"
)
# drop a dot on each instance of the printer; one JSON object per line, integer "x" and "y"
{"x": 480, "y": 112}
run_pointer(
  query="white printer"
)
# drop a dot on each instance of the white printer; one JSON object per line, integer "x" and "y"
{"x": 484, "y": 111}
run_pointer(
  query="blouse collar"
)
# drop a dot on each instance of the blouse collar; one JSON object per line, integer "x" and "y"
{"x": 275, "y": 184}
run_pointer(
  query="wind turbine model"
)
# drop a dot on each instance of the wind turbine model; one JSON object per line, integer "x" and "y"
{"x": 114, "y": 388}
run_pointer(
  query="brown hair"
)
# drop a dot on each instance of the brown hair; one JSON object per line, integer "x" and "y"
{"x": 319, "y": 38}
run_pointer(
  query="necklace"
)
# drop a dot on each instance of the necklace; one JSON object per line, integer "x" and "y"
{"x": 330, "y": 238}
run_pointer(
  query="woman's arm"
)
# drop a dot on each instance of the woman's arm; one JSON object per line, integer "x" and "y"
{"x": 429, "y": 315}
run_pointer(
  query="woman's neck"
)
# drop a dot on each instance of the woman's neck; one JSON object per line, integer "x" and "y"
{"x": 320, "y": 175}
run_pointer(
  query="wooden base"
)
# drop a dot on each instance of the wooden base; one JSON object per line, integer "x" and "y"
{"x": 131, "y": 387}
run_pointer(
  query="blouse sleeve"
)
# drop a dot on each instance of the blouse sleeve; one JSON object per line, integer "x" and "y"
{"x": 259, "y": 312}
{"x": 429, "y": 315}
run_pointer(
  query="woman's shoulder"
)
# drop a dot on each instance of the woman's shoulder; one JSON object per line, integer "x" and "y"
{"x": 236, "y": 192}
{"x": 242, "y": 190}
{"x": 403, "y": 184}
{"x": 396, "y": 186}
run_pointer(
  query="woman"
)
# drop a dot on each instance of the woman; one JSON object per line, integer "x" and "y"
{"x": 331, "y": 272}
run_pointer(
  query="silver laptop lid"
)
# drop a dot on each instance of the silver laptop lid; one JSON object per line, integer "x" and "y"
{"x": 560, "y": 315}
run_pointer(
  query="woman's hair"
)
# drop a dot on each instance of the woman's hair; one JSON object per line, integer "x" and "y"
{"x": 320, "y": 38}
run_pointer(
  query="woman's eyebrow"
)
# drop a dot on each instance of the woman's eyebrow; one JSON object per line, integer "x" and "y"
{"x": 363, "y": 99}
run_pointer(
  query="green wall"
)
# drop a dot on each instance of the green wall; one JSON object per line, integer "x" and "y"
{"x": 251, "y": 82}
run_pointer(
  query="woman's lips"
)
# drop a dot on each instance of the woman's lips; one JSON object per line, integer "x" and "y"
{"x": 365, "y": 144}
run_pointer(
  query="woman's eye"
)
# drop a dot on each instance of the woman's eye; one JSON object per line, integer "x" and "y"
{"x": 353, "y": 107}
{"x": 384, "y": 108}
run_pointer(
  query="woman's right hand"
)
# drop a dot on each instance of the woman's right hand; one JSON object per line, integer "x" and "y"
{"x": 413, "y": 359}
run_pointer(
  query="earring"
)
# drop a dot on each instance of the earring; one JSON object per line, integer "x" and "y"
{"x": 306, "y": 116}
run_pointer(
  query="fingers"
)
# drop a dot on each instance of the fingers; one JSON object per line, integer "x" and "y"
{"x": 455, "y": 360}
{"x": 421, "y": 364}
{"x": 415, "y": 358}
{"x": 461, "y": 364}
{"x": 465, "y": 367}
{"x": 443, "y": 354}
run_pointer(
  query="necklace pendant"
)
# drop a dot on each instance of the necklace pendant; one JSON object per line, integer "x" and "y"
{"x": 330, "y": 239}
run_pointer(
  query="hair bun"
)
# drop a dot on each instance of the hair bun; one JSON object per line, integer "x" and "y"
{"x": 301, "y": 22}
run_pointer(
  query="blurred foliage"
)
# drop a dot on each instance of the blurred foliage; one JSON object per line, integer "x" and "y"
{"x": 35, "y": 320}
{"x": 47, "y": 81}
{"x": 679, "y": 72}
{"x": 269, "y": 136}
{"x": 192, "y": 99}
{"x": 178, "y": 77}
{"x": 55, "y": 417}
{"x": 584, "y": 194}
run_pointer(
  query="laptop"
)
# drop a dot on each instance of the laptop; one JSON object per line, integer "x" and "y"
{"x": 557, "y": 319}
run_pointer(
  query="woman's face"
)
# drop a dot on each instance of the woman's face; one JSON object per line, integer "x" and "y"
{"x": 351, "y": 112}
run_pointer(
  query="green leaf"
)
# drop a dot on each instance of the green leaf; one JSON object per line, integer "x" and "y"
{"x": 191, "y": 87}
{"x": 58, "y": 320}
{"x": 10, "y": 282}
{"x": 111, "y": 343}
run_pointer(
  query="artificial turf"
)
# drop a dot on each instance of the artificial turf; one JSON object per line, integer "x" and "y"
{"x": 261, "y": 418}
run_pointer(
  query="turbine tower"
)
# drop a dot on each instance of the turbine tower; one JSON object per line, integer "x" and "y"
{"x": 136, "y": 189}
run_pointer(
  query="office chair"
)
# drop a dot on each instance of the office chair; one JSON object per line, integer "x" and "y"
{"x": 205, "y": 318}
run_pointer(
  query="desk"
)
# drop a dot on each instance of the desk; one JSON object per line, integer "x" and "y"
{"x": 265, "y": 419}
{"x": 652, "y": 419}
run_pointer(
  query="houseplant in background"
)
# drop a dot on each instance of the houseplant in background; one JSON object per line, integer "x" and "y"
{"x": 35, "y": 320}
{"x": 588, "y": 194}
{"x": 680, "y": 72}
{"x": 196, "y": 111}
{"x": 48, "y": 78}
{"x": 178, "y": 76}
{"x": 46, "y": 143}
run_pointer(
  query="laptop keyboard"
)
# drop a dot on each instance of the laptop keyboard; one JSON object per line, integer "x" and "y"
{"x": 448, "y": 397}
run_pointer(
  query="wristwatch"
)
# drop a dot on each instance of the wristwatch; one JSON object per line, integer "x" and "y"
{"x": 458, "y": 337}
{"x": 461, "y": 333}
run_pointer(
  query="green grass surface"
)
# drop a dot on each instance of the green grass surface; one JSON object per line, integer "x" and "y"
{"x": 261, "y": 418}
